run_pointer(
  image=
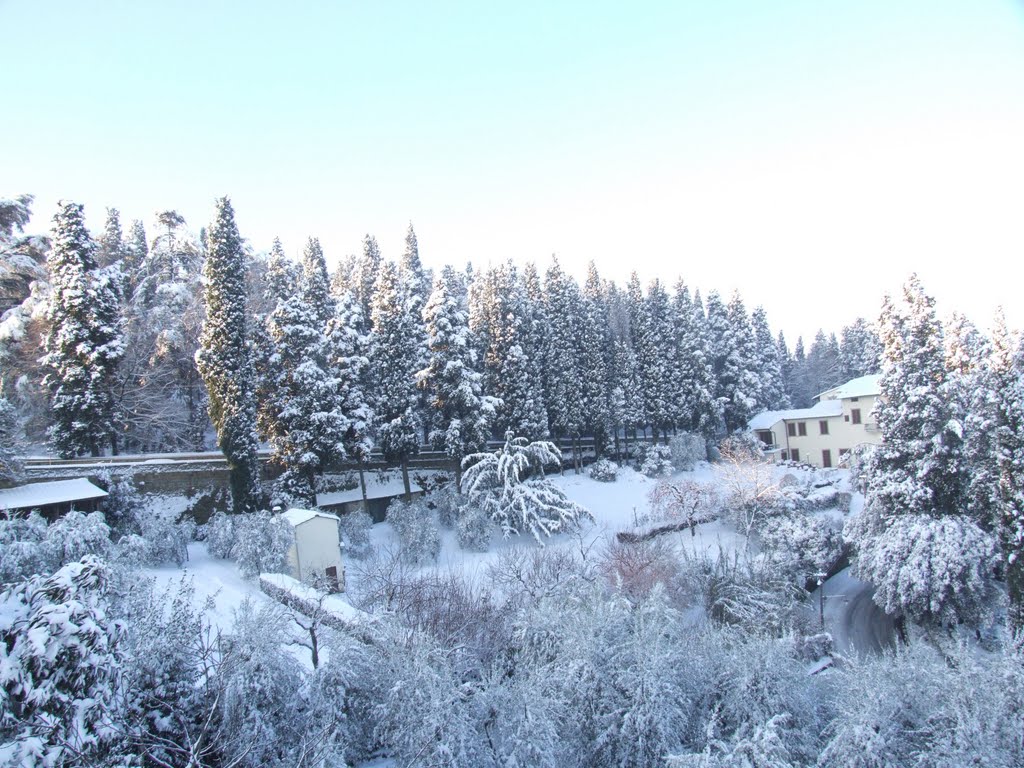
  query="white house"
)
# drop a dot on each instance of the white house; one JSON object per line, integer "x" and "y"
{"x": 316, "y": 551}
{"x": 824, "y": 433}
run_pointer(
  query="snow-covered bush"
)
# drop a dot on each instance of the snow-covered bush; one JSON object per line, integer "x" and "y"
{"x": 604, "y": 471}
{"x": 419, "y": 540}
{"x": 752, "y": 593}
{"x": 355, "y": 533}
{"x": 685, "y": 501}
{"x": 220, "y": 535}
{"x": 808, "y": 544}
{"x": 657, "y": 461}
{"x": 123, "y": 500}
{"x": 74, "y": 535}
{"x": 262, "y": 541}
{"x": 500, "y": 484}
{"x": 168, "y": 539}
{"x": 261, "y": 704}
{"x": 23, "y": 551}
{"x": 448, "y": 502}
{"x": 926, "y": 568}
{"x": 60, "y": 668}
{"x": 473, "y": 528}
{"x": 687, "y": 450}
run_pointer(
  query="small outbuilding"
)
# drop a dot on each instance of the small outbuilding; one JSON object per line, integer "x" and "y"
{"x": 316, "y": 551}
{"x": 378, "y": 496}
{"x": 52, "y": 499}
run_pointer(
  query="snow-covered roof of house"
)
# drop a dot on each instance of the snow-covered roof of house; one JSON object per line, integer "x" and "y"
{"x": 44, "y": 494}
{"x": 824, "y": 409}
{"x": 374, "y": 490}
{"x": 296, "y": 516}
{"x": 864, "y": 386}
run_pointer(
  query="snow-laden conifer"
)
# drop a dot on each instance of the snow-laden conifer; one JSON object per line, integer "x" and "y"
{"x": 85, "y": 341}
{"x": 224, "y": 360}
{"x": 509, "y": 486}
{"x": 395, "y": 353}
{"x": 460, "y": 415}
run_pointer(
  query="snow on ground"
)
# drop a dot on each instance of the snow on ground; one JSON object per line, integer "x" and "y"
{"x": 616, "y": 506}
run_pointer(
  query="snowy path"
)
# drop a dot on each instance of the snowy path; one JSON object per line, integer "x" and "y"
{"x": 857, "y": 625}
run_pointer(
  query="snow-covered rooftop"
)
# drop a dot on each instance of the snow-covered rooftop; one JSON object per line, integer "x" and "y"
{"x": 824, "y": 409}
{"x": 43, "y": 494}
{"x": 296, "y": 516}
{"x": 865, "y": 386}
{"x": 374, "y": 490}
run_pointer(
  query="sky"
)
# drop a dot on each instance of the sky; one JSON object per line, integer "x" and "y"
{"x": 809, "y": 153}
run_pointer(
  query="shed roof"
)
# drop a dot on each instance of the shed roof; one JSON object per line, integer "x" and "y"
{"x": 824, "y": 409}
{"x": 54, "y": 492}
{"x": 374, "y": 490}
{"x": 296, "y": 516}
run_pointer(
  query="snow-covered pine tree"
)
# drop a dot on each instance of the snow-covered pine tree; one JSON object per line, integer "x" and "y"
{"x": 224, "y": 359}
{"x": 971, "y": 388}
{"x": 823, "y": 364}
{"x": 419, "y": 278}
{"x": 785, "y": 366}
{"x": 111, "y": 243}
{"x": 732, "y": 350}
{"x": 859, "y": 350}
{"x": 84, "y": 344}
{"x": 310, "y": 424}
{"x": 365, "y": 274}
{"x": 315, "y": 285}
{"x": 696, "y": 407}
{"x": 594, "y": 352}
{"x": 653, "y": 338}
{"x": 927, "y": 559}
{"x": 772, "y": 391}
{"x": 562, "y": 305}
{"x": 800, "y": 388}
{"x": 349, "y": 349}
{"x": 1007, "y": 369}
{"x": 136, "y": 250}
{"x": 460, "y": 415}
{"x": 395, "y": 353}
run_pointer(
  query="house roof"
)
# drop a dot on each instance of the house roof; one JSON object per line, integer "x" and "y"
{"x": 296, "y": 516}
{"x": 44, "y": 494}
{"x": 824, "y": 409}
{"x": 374, "y": 490}
{"x": 864, "y": 386}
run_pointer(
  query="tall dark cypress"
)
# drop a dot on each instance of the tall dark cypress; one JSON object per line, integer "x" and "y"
{"x": 224, "y": 359}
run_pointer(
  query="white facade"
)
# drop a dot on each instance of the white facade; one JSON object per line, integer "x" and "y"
{"x": 822, "y": 435}
{"x": 316, "y": 552}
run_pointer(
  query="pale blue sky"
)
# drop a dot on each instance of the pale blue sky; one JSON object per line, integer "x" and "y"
{"x": 809, "y": 153}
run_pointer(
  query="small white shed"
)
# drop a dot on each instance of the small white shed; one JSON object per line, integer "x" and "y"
{"x": 316, "y": 553}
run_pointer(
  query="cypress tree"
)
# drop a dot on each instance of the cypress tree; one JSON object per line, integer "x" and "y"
{"x": 84, "y": 344}
{"x": 224, "y": 359}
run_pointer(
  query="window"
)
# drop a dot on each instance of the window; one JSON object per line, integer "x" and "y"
{"x": 854, "y": 399}
{"x": 784, "y": 457}
{"x": 846, "y": 417}
{"x": 823, "y": 426}
{"x": 803, "y": 428}
{"x": 791, "y": 429}
{"x": 826, "y": 458}
{"x": 843, "y": 453}
{"x": 794, "y": 455}
{"x": 855, "y": 415}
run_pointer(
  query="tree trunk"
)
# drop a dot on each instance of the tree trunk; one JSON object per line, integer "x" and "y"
{"x": 458, "y": 476}
{"x": 362, "y": 487}
{"x": 405, "y": 479}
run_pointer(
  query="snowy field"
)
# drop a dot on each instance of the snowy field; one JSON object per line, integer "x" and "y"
{"x": 622, "y": 505}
